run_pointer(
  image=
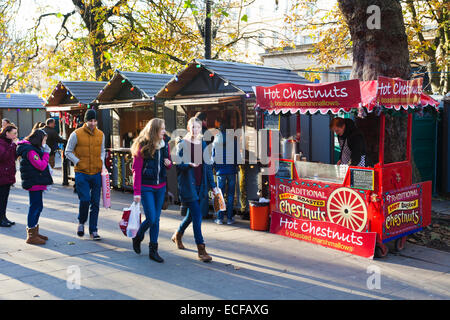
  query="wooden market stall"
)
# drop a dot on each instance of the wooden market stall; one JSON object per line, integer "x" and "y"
{"x": 24, "y": 110}
{"x": 68, "y": 102}
{"x": 129, "y": 99}
{"x": 224, "y": 89}
{"x": 356, "y": 209}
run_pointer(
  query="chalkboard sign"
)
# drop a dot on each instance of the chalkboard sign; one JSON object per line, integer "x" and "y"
{"x": 362, "y": 179}
{"x": 272, "y": 121}
{"x": 285, "y": 170}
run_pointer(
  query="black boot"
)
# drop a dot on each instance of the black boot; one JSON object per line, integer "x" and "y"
{"x": 153, "y": 253}
{"x": 137, "y": 244}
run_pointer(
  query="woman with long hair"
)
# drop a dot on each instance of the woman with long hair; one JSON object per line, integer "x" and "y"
{"x": 8, "y": 141}
{"x": 151, "y": 158}
{"x": 195, "y": 178}
{"x": 35, "y": 174}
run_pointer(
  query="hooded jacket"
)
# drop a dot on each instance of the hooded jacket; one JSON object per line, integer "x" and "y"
{"x": 34, "y": 169}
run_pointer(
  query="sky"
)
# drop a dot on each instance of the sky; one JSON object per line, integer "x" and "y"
{"x": 29, "y": 12}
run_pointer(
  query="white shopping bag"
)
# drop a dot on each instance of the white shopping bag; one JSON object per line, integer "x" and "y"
{"x": 134, "y": 222}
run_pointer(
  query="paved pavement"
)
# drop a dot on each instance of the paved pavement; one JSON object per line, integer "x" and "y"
{"x": 246, "y": 264}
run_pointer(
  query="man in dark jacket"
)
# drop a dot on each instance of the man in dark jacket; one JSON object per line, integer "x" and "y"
{"x": 225, "y": 165}
{"x": 53, "y": 139}
{"x": 351, "y": 140}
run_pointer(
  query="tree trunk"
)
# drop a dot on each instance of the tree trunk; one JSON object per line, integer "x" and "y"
{"x": 97, "y": 40}
{"x": 377, "y": 52}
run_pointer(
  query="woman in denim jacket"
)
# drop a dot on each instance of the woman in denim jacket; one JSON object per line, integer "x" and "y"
{"x": 195, "y": 178}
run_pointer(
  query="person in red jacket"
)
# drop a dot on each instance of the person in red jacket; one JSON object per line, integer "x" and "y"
{"x": 8, "y": 140}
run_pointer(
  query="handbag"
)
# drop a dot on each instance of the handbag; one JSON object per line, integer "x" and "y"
{"x": 134, "y": 220}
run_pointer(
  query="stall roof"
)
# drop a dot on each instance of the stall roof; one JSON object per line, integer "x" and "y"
{"x": 83, "y": 92}
{"x": 20, "y": 100}
{"x": 241, "y": 76}
{"x": 147, "y": 84}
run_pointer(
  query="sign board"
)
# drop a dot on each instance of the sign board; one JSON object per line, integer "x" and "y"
{"x": 321, "y": 97}
{"x": 362, "y": 179}
{"x": 271, "y": 121}
{"x": 402, "y": 211}
{"x": 324, "y": 233}
{"x": 285, "y": 170}
{"x": 250, "y": 114}
{"x": 398, "y": 92}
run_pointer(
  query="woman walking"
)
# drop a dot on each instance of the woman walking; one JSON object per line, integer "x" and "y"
{"x": 195, "y": 178}
{"x": 151, "y": 158}
{"x": 35, "y": 174}
{"x": 8, "y": 140}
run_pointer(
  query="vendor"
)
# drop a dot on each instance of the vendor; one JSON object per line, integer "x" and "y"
{"x": 351, "y": 141}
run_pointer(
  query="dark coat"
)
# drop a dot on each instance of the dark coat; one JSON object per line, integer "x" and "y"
{"x": 223, "y": 148}
{"x": 355, "y": 142}
{"x": 29, "y": 174}
{"x": 53, "y": 139}
{"x": 7, "y": 162}
{"x": 154, "y": 170}
{"x": 186, "y": 179}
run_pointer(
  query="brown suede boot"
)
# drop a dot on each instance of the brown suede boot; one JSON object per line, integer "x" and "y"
{"x": 176, "y": 238}
{"x": 202, "y": 254}
{"x": 40, "y": 235}
{"x": 33, "y": 238}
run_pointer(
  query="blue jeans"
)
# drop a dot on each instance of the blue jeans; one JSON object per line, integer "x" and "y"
{"x": 194, "y": 215}
{"x": 152, "y": 201}
{"x": 89, "y": 188}
{"x": 223, "y": 181}
{"x": 36, "y": 206}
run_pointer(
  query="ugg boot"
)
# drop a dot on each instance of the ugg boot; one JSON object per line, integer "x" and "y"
{"x": 137, "y": 244}
{"x": 176, "y": 238}
{"x": 202, "y": 254}
{"x": 33, "y": 238}
{"x": 153, "y": 253}
{"x": 40, "y": 235}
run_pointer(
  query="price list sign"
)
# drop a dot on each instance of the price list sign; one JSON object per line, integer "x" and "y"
{"x": 362, "y": 179}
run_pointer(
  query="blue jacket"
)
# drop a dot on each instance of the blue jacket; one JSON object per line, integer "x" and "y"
{"x": 222, "y": 148}
{"x": 186, "y": 179}
{"x": 154, "y": 170}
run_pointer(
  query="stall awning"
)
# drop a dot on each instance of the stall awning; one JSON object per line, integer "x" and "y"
{"x": 391, "y": 93}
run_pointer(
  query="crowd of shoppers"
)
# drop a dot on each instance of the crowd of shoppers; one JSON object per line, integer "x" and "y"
{"x": 85, "y": 148}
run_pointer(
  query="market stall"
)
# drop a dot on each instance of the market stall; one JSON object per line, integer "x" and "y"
{"x": 353, "y": 209}
{"x": 24, "y": 110}
{"x": 224, "y": 89}
{"x": 129, "y": 99}
{"x": 68, "y": 102}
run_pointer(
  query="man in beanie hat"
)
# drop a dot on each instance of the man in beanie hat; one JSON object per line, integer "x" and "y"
{"x": 86, "y": 149}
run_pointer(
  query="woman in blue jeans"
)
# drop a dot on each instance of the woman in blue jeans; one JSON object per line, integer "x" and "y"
{"x": 195, "y": 178}
{"x": 151, "y": 158}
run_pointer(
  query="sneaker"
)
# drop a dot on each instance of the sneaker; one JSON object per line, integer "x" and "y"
{"x": 95, "y": 236}
{"x": 80, "y": 231}
{"x": 231, "y": 221}
{"x": 218, "y": 221}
